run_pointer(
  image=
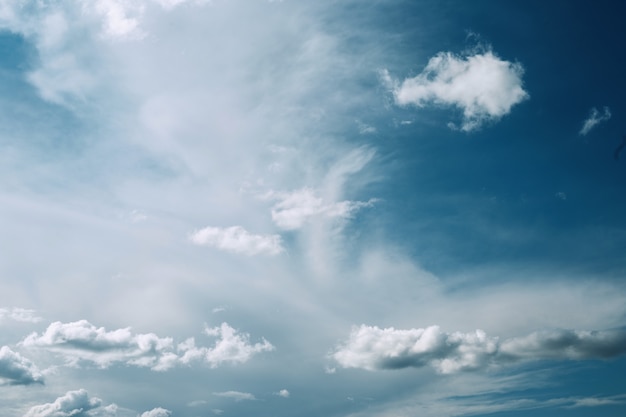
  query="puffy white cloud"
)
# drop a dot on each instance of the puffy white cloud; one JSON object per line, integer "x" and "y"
{"x": 594, "y": 118}
{"x": 373, "y": 348}
{"x": 283, "y": 393}
{"x": 230, "y": 347}
{"x": 295, "y": 208}
{"x": 239, "y": 240}
{"x": 236, "y": 395}
{"x": 73, "y": 403}
{"x": 82, "y": 341}
{"x": 370, "y": 347}
{"x": 157, "y": 412}
{"x": 483, "y": 86}
{"x": 19, "y": 314}
{"x": 17, "y": 370}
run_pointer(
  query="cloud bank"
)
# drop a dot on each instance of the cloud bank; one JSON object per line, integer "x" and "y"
{"x": 19, "y": 314}
{"x": 373, "y": 348}
{"x": 82, "y": 341}
{"x": 17, "y": 370}
{"x": 483, "y": 86}
{"x": 594, "y": 119}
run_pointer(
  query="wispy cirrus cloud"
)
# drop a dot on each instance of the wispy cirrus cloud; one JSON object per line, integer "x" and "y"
{"x": 19, "y": 314}
{"x": 17, "y": 370}
{"x": 238, "y": 240}
{"x": 236, "y": 395}
{"x": 594, "y": 118}
{"x": 373, "y": 348}
{"x": 82, "y": 341}
{"x": 484, "y": 86}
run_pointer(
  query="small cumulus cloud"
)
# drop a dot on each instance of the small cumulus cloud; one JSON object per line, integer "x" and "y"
{"x": 17, "y": 370}
{"x": 236, "y": 395}
{"x": 484, "y": 86}
{"x": 157, "y": 412}
{"x": 283, "y": 393}
{"x": 236, "y": 239}
{"x": 373, "y": 348}
{"x": 594, "y": 118}
{"x": 561, "y": 195}
{"x": 73, "y": 403}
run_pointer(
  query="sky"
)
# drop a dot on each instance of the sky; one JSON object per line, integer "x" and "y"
{"x": 300, "y": 209}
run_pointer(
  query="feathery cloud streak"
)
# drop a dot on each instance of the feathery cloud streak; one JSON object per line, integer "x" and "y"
{"x": 594, "y": 119}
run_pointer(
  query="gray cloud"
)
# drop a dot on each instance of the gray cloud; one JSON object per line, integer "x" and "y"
{"x": 17, "y": 370}
{"x": 82, "y": 341}
{"x": 373, "y": 348}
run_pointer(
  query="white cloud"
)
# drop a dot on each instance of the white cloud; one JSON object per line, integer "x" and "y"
{"x": 238, "y": 240}
{"x": 484, "y": 86}
{"x": 17, "y": 370}
{"x": 19, "y": 314}
{"x": 73, "y": 403}
{"x": 283, "y": 393}
{"x": 82, "y": 341}
{"x": 373, "y": 348}
{"x": 594, "y": 119}
{"x": 236, "y": 395}
{"x": 157, "y": 412}
{"x": 231, "y": 347}
{"x": 295, "y": 208}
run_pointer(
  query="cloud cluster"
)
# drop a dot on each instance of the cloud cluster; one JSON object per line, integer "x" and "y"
{"x": 19, "y": 314}
{"x": 73, "y": 403}
{"x": 483, "y": 86}
{"x": 594, "y": 118}
{"x": 373, "y": 348}
{"x": 17, "y": 370}
{"x": 82, "y": 341}
{"x": 238, "y": 240}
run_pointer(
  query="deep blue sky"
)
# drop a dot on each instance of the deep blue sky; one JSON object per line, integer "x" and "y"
{"x": 281, "y": 208}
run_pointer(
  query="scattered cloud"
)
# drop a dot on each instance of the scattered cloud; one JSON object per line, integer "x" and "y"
{"x": 17, "y": 370}
{"x": 236, "y": 395}
{"x": 73, "y": 403}
{"x": 594, "y": 119}
{"x": 283, "y": 393}
{"x": 82, "y": 341}
{"x": 561, "y": 195}
{"x": 238, "y": 240}
{"x": 157, "y": 412}
{"x": 373, "y": 348}
{"x": 483, "y": 86}
{"x": 19, "y": 314}
{"x": 295, "y": 208}
{"x": 231, "y": 347}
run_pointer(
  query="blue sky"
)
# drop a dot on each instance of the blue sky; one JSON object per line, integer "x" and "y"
{"x": 283, "y": 208}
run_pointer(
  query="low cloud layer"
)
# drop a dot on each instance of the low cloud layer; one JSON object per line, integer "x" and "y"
{"x": 483, "y": 86}
{"x": 373, "y": 348}
{"x": 82, "y": 341}
{"x": 238, "y": 240}
{"x": 595, "y": 118}
{"x": 17, "y": 370}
